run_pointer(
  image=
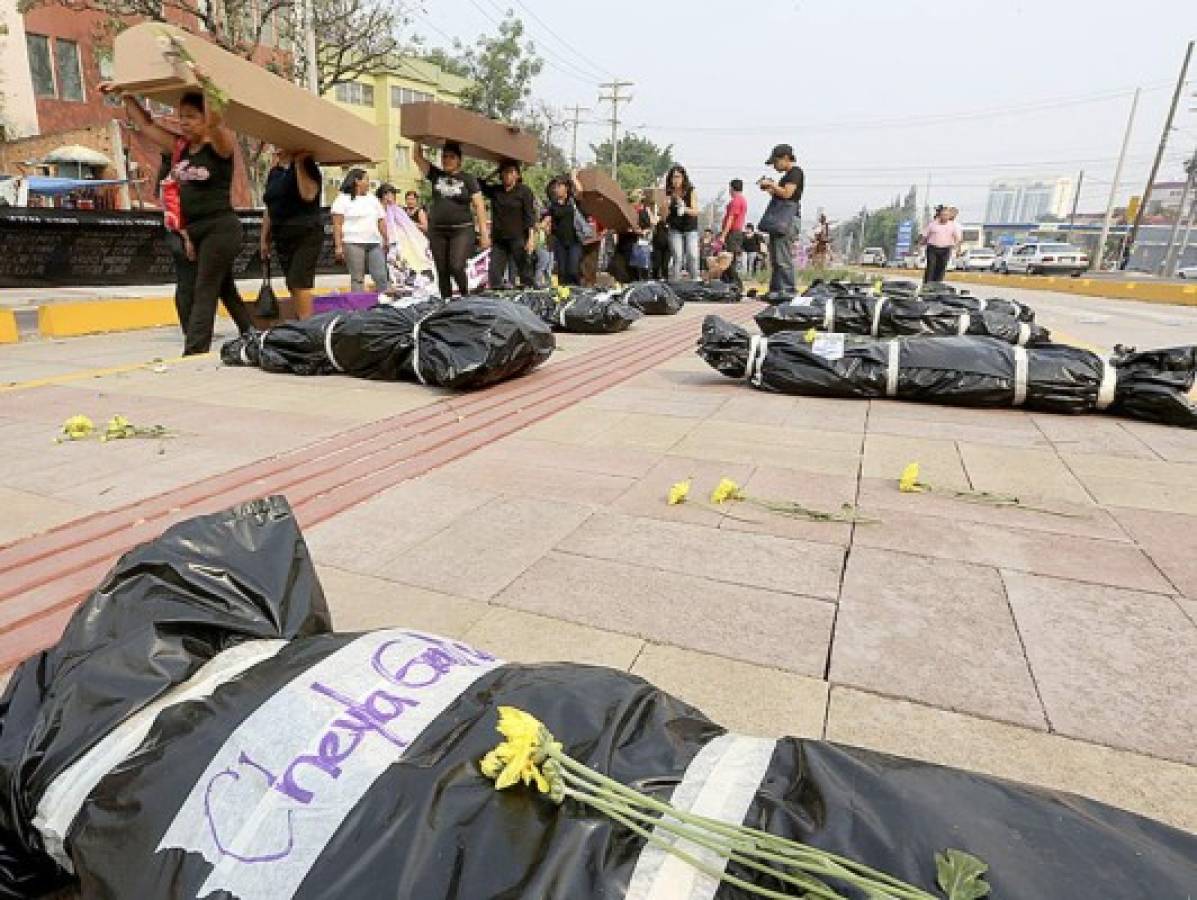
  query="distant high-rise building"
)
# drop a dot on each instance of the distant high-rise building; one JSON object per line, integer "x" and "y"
{"x": 1014, "y": 200}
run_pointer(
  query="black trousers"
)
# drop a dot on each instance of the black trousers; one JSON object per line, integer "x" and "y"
{"x": 569, "y": 262}
{"x": 451, "y": 249}
{"x": 504, "y": 254}
{"x": 202, "y": 281}
{"x": 660, "y": 270}
{"x": 937, "y": 263}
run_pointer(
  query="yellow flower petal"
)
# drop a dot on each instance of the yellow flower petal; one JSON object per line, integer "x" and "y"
{"x": 810, "y": 335}
{"x": 726, "y": 490}
{"x": 679, "y": 492}
{"x": 77, "y": 427}
{"x": 908, "y": 483}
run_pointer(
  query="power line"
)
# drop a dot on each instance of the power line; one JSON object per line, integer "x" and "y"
{"x": 603, "y": 72}
{"x": 577, "y": 111}
{"x": 564, "y": 63}
{"x": 614, "y": 86}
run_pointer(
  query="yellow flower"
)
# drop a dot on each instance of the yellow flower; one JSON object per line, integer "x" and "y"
{"x": 679, "y": 492}
{"x": 118, "y": 427}
{"x": 726, "y": 490}
{"x": 810, "y": 335}
{"x": 76, "y": 428}
{"x": 524, "y": 755}
{"x": 563, "y": 293}
{"x": 908, "y": 483}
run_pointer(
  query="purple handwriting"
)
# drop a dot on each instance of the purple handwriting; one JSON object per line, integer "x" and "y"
{"x": 333, "y": 749}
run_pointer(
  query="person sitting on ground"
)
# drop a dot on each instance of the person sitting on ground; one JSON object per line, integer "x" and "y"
{"x": 706, "y": 248}
{"x": 752, "y": 251}
{"x": 722, "y": 267}
{"x": 513, "y": 236}
{"x": 293, "y": 223}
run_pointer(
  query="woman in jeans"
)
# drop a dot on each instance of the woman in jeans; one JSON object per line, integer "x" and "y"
{"x": 456, "y": 208}
{"x": 202, "y": 166}
{"x": 563, "y": 217}
{"x": 292, "y": 223}
{"x": 682, "y": 219}
{"x": 360, "y": 232}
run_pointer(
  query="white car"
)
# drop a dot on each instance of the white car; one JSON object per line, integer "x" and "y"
{"x": 1041, "y": 258}
{"x": 872, "y": 256}
{"x": 1187, "y": 272}
{"x": 976, "y": 260}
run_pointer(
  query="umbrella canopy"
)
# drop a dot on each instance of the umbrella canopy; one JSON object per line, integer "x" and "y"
{"x": 77, "y": 153}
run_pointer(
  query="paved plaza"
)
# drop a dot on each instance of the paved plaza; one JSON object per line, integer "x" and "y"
{"x": 1055, "y": 645}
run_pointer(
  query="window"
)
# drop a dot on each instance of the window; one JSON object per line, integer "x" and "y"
{"x": 355, "y": 92}
{"x": 402, "y": 157}
{"x": 104, "y": 64}
{"x": 70, "y": 79}
{"x": 39, "y": 65}
{"x": 401, "y": 95}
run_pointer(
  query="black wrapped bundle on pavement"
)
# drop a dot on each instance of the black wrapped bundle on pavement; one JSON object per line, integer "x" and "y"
{"x": 886, "y": 316}
{"x": 653, "y": 298}
{"x": 945, "y": 293}
{"x": 580, "y": 311}
{"x": 705, "y": 291}
{"x": 960, "y": 371}
{"x": 468, "y": 343}
{"x": 201, "y": 731}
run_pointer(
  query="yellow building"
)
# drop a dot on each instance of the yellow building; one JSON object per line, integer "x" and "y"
{"x": 377, "y": 99}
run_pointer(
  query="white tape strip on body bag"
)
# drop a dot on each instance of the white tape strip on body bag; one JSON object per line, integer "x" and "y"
{"x": 328, "y": 351}
{"x": 1024, "y": 333}
{"x": 415, "y": 350}
{"x": 758, "y": 346}
{"x": 62, "y": 800}
{"x": 877, "y": 308}
{"x": 1021, "y": 369}
{"x": 285, "y": 779}
{"x": 261, "y": 339}
{"x": 564, "y": 309}
{"x": 894, "y": 351}
{"x": 1106, "y": 393}
{"x": 720, "y": 783}
{"x": 829, "y": 315}
{"x": 981, "y": 304}
{"x": 963, "y": 323}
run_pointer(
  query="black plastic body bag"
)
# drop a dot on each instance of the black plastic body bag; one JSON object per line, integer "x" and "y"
{"x": 205, "y": 803}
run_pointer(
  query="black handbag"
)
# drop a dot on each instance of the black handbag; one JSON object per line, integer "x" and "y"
{"x": 266, "y": 306}
{"x": 779, "y": 216}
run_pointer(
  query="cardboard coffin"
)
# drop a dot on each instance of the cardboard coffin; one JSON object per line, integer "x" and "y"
{"x": 432, "y": 124}
{"x": 603, "y": 198}
{"x": 261, "y": 104}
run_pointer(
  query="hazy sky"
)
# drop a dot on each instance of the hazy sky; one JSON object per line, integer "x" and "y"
{"x": 874, "y": 96}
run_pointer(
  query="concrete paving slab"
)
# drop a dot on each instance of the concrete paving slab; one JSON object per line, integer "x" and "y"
{"x": 1110, "y": 468}
{"x": 362, "y": 602}
{"x": 1092, "y": 434}
{"x": 1025, "y": 473}
{"x": 27, "y": 513}
{"x": 731, "y": 448}
{"x": 739, "y": 696}
{"x": 1158, "y": 496}
{"x": 761, "y": 627}
{"x": 934, "y": 631}
{"x": 657, "y": 402}
{"x": 647, "y": 497}
{"x": 755, "y": 560}
{"x": 881, "y": 421}
{"x": 1113, "y": 666}
{"x": 373, "y": 538}
{"x": 885, "y": 456}
{"x": 1062, "y": 556}
{"x": 612, "y": 428}
{"x": 500, "y": 476}
{"x": 757, "y": 408}
{"x": 878, "y": 496}
{"x": 834, "y": 415}
{"x": 1150, "y": 787}
{"x": 478, "y": 556}
{"x": 1171, "y": 444}
{"x": 1169, "y": 539}
{"x": 522, "y": 637}
{"x": 624, "y": 461}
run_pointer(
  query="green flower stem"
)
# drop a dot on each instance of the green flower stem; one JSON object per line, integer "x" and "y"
{"x": 788, "y": 848}
{"x": 607, "y": 804}
{"x": 617, "y": 814}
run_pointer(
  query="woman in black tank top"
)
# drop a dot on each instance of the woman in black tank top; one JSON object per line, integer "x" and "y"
{"x": 202, "y": 166}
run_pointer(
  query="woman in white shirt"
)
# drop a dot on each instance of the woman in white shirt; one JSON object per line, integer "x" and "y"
{"x": 360, "y": 232}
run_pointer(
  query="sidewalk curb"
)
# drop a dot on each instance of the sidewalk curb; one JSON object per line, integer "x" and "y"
{"x": 1146, "y": 291}
{"x": 8, "y": 327}
{"x": 59, "y": 320}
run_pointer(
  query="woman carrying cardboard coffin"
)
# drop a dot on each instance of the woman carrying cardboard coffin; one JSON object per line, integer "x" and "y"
{"x": 202, "y": 167}
{"x": 456, "y": 207}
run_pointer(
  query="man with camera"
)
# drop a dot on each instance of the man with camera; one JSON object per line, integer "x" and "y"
{"x": 782, "y": 216}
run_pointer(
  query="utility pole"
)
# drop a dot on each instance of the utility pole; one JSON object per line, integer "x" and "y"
{"x": 1170, "y": 254}
{"x": 1159, "y": 155}
{"x": 615, "y": 99}
{"x": 309, "y": 45}
{"x": 1076, "y": 198}
{"x": 1095, "y": 260}
{"x": 577, "y": 111}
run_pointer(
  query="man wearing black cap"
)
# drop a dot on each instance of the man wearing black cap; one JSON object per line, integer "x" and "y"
{"x": 781, "y": 218}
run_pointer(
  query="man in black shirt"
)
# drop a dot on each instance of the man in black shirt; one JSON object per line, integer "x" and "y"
{"x": 783, "y": 214}
{"x": 513, "y": 222}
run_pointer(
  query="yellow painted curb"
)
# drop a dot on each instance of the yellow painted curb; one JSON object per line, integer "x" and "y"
{"x": 8, "y": 327}
{"x": 1151, "y": 292}
{"x": 59, "y": 320}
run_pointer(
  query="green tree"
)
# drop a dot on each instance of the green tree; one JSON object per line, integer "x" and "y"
{"x": 501, "y": 68}
{"x": 637, "y": 151}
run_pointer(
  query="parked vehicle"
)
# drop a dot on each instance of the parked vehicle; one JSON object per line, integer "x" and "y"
{"x": 976, "y": 260}
{"x": 1187, "y": 272}
{"x": 1041, "y": 258}
{"x": 872, "y": 256}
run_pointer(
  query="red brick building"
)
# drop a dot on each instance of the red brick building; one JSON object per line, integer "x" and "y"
{"x": 69, "y": 53}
